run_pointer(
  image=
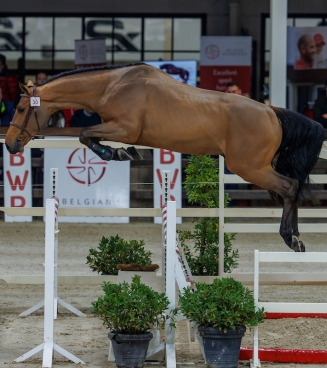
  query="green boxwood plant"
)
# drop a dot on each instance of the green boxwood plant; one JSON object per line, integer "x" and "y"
{"x": 132, "y": 308}
{"x": 224, "y": 304}
{"x": 115, "y": 250}
{"x": 202, "y": 188}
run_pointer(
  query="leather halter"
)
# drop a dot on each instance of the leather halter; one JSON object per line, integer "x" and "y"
{"x": 27, "y": 118}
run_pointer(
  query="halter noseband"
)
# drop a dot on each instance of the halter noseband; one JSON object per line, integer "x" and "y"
{"x": 27, "y": 118}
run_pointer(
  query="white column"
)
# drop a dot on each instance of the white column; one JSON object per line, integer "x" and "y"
{"x": 221, "y": 216}
{"x": 277, "y": 68}
{"x": 234, "y": 18}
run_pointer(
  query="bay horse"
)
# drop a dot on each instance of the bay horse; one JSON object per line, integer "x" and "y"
{"x": 142, "y": 105}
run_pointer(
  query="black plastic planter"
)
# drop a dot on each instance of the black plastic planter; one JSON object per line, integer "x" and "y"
{"x": 130, "y": 350}
{"x": 221, "y": 349}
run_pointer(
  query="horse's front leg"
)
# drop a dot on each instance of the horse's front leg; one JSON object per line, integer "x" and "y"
{"x": 108, "y": 153}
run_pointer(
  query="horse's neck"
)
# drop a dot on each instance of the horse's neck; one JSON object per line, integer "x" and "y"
{"x": 71, "y": 92}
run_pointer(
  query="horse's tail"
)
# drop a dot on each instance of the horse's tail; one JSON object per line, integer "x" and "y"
{"x": 299, "y": 150}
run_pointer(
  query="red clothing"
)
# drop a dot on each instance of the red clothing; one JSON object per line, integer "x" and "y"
{"x": 9, "y": 85}
{"x": 300, "y": 64}
{"x": 68, "y": 113}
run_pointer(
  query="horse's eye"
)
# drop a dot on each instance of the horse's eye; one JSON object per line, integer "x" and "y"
{"x": 20, "y": 110}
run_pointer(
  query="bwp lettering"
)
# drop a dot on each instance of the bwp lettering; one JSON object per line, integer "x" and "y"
{"x": 17, "y": 181}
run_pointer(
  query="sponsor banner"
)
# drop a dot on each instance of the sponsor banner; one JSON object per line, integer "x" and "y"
{"x": 225, "y": 59}
{"x": 164, "y": 160}
{"x": 84, "y": 180}
{"x": 226, "y": 50}
{"x": 17, "y": 182}
{"x": 307, "y": 54}
{"x": 217, "y": 77}
{"x": 183, "y": 70}
{"x": 90, "y": 53}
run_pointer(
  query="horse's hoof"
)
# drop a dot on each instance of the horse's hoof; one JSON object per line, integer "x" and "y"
{"x": 297, "y": 245}
{"x": 123, "y": 155}
{"x": 135, "y": 154}
{"x": 105, "y": 153}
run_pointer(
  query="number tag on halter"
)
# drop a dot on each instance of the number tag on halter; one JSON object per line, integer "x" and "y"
{"x": 35, "y": 101}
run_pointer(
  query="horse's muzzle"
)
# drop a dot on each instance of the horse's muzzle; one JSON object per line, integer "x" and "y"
{"x": 15, "y": 148}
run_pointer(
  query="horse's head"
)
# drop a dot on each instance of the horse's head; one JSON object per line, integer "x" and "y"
{"x": 30, "y": 116}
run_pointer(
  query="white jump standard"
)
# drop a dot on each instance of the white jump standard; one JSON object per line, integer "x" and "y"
{"x": 48, "y": 346}
{"x": 57, "y": 300}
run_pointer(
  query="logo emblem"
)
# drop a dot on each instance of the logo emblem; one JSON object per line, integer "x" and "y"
{"x": 83, "y": 166}
{"x": 212, "y": 52}
{"x": 83, "y": 52}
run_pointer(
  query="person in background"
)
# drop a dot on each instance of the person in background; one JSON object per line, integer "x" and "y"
{"x": 8, "y": 81}
{"x": 7, "y": 111}
{"x": 320, "y": 108}
{"x": 85, "y": 118}
{"x": 234, "y": 87}
{"x": 40, "y": 78}
{"x": 307, "y": 50}
{"x": 319, "y": 60}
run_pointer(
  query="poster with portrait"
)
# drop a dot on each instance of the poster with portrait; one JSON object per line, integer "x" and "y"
{"x": 307, "y": 54}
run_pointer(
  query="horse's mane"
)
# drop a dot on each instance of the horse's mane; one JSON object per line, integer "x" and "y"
{"x": 86, "y": 70}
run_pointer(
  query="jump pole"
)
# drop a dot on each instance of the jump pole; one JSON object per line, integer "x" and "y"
{"x": 56, "y": 299}
{"x": 48, "y": 346}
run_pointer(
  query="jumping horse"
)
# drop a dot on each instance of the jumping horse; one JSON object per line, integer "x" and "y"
{"x": 271, "y": 147}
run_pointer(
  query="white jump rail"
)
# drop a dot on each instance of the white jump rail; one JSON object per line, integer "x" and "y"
{"x": 49, "y": 346}
{"x": 281, "y": 307}
{"x": 69, "y": 142}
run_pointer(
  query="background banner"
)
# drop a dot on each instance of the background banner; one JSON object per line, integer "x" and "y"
{"x": 225, "y": 59}
{"x": 17, "y": 182}
{"x": 90, "y": 53}
{"x": 87, "y": 181}
{"x": 307, "y": 54}
{"x": 168, "y": 161}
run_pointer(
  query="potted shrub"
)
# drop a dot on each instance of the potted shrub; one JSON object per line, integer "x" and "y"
{"x": 115, "y": 250}
{"x": 201, "y": 246}
{"x": 222, "y": 310}
{"x": 130, "y": 311}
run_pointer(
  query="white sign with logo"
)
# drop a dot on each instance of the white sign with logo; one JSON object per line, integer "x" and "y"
{"x": 226, "y": 59}
{"x": 226, "y": 50}
{"x": 84, "y": 180}
{"x": 90, "y": 52}
{"x": 164, "y": 160}
{"x": 17, "y": 182}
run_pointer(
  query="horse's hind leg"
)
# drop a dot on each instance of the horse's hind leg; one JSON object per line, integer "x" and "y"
{"x": 287, "y": 188}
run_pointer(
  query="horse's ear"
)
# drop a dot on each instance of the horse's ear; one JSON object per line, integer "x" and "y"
{"x": 23, "y": 88}
{"x": 30, "y": 83}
